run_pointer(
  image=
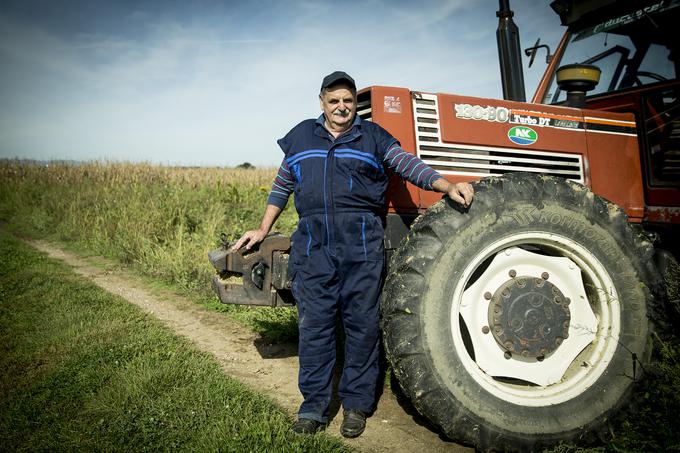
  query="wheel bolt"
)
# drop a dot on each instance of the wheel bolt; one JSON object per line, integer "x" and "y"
{"x": 545, "y": 275}
{"x": 488, "y": 295}
{"x": 507, "y": 355}
{"x": 485, "y": 329}
{"x": 512, "y": 273}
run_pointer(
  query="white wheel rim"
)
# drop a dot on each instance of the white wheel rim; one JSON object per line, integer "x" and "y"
{"x": 594, "y": 328}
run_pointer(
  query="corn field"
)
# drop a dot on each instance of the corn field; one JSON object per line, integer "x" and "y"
{"x": 161, "y": 220}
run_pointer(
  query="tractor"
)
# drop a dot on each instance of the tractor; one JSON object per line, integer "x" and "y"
{"x": 526, "y": 319}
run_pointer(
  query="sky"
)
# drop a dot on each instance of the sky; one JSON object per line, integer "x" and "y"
{"x": 216, "y": 83}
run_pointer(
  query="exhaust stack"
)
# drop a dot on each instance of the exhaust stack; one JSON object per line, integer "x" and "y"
{"x": 509, "y": 54}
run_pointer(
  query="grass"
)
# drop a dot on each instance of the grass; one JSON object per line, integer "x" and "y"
{"x": 81, "y": 369}
{"x": 159, "y": 221}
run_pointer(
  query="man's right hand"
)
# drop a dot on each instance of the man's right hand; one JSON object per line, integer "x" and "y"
{"x": 249, "y": 239}
{"x": 253, "y": 237}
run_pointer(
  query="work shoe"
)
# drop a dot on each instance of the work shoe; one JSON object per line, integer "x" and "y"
{"x": 353, "y": 423}
{"x": 307, "y": 426}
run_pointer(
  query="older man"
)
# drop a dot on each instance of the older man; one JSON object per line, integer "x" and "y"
{"x": 338, "y": 167}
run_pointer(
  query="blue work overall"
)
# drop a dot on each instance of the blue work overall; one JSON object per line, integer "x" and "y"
{"x": 337, "y": 258}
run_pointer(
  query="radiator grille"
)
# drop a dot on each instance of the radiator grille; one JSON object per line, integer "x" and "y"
{"x": 480, "y": 161}
{"x": 364, "y": 109}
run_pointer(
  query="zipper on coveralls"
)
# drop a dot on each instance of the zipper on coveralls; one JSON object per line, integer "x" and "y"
{"x": 329, "y": 175}
{"x": 328, "y": 197}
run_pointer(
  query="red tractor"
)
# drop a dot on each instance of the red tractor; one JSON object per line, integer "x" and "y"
{"x": 526, "y": 320}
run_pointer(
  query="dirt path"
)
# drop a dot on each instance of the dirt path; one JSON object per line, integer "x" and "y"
{"x": 271, "y": 369}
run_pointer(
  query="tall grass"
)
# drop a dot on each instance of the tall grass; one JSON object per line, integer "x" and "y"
{"x": 161, "y": 221}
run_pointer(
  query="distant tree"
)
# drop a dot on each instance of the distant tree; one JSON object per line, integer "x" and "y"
{"x": 246, "y": 165}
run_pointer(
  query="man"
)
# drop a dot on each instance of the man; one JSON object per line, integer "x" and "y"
{"x": 338, "y": 165}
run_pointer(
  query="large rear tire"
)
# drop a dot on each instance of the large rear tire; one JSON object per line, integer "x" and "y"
{"x": 523, "y": 321}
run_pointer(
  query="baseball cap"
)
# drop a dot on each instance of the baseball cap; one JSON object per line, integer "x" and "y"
{"x": 337, "y": 77}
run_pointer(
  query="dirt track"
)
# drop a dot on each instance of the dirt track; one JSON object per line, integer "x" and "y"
{"x": 268, "y": 368}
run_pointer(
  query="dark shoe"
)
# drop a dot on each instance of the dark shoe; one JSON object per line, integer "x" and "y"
{"x": 353, "y": 423}
{"x": 307, "y": 426}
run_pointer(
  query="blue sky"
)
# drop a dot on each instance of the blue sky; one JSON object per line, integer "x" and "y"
{"x": 217, "y": 82}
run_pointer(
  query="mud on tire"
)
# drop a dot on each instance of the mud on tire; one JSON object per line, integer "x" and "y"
{"x": 523, "y": 321}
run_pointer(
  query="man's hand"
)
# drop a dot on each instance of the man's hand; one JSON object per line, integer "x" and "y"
{"x": 249, "y": 239}
{"x": 252, "y": 237}
{"x": 462, "y": 193}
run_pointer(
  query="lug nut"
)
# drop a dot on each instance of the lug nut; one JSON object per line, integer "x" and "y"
{"x": 485, "y": 329}
{"x": 545, "y": 275}
{"x": 512, "y": 273}
{"x": 507, "y": 355}
{"x": 488, "y": 295}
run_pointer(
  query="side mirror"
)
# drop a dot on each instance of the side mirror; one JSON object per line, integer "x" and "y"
{"x": 532, "y": 51}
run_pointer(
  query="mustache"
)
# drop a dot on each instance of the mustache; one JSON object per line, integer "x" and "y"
{"x": 344, "y": 112}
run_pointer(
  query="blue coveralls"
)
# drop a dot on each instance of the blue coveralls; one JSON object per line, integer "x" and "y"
{"x": 337, "y": 255}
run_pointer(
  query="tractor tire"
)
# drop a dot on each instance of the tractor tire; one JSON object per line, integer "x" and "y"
{"x": 526, "y": 319}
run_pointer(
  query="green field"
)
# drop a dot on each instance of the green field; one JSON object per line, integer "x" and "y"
{"x": 161, "y": 222}
{"x": 81, "y": 369}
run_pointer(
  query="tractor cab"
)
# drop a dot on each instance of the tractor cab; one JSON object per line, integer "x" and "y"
{"x": 634, "y": 45}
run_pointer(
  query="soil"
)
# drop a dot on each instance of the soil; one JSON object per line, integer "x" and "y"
{"x": 267, "y": 368}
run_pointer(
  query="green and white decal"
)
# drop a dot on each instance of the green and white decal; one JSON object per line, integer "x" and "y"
{"x": 522, "y": 135}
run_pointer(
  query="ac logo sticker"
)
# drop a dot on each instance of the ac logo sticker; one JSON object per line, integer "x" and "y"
{"x": 522, "y": 135}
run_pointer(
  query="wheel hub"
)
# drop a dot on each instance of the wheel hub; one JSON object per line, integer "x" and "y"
{"x": 530, "y": 343}
{"x": 529, "y": 316}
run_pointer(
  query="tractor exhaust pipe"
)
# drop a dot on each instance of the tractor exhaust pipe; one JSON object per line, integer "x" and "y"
{"x": 509, "y": 54}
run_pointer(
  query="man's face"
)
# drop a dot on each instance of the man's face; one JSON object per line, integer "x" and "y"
{"x": 339, "y": 106}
